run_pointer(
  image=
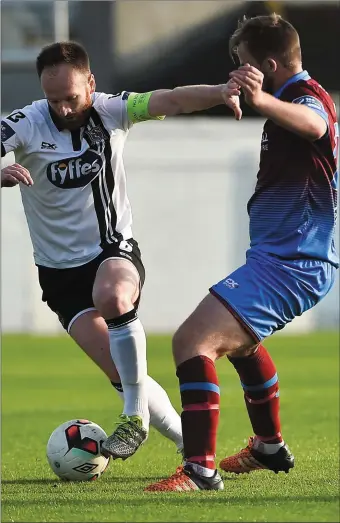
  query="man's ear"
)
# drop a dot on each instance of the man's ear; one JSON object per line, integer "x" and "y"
{"x": 92, "y": 83}
{"x": 269, "y": 66}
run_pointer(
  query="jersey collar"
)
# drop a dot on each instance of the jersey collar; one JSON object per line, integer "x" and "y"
{"x": 303, "y": 75}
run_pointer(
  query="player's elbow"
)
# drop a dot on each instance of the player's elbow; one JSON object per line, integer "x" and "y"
{"x": 164, "y": 102}
{"x": 173, "y": 103}
{"x": 316, "y": 129}
{"x": 178, "y": 102}
{"x": 316, "y": 132}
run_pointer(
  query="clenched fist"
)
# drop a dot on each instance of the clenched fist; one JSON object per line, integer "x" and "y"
{"x": 251, "y": 81}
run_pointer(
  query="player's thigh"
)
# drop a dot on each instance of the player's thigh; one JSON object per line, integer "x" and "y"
{"x": 211, "y": 330}
{"x": 120, "y": 276}
{"x": 89, "y": 331}
{"x": 68, "y": 293}
{"x": 116, "y": 280}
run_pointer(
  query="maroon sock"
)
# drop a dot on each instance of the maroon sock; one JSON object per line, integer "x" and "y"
{"x": 200, "y": 396}
{"x": 261, "y": 393}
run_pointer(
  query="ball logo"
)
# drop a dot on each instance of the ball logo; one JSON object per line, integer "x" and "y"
{"x": 85, "y": 467}
{"x": 75, "y": 172}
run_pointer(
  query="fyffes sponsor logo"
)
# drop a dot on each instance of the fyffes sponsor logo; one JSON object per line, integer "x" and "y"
{"x": 75, "y": 172}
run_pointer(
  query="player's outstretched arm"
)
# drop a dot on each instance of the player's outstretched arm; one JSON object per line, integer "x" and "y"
{"x": 191, "y": 98}
{"x": 295, "y": 117}
{"x": 129, "y": 108}
{"x": 14, "y": 174}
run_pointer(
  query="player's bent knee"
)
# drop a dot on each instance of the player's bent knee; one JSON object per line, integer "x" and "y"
{"x": 241, "y": 350}
{"x": 185, "y": 345}
{"x": 181, "y": 341}
{"x": 112, "y": 302}
{"x": 188, "y": 343}
{"x": 234, "y": 349}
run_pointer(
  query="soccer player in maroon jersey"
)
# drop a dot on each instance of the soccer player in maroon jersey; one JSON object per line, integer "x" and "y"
{"x": 290, "y": 265}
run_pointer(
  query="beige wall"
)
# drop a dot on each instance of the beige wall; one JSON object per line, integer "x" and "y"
{"x": 140, "y": 23}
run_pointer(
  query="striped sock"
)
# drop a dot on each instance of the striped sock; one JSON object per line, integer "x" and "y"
{"x": 200, "y": 396}
{"x": 260, "y": 383}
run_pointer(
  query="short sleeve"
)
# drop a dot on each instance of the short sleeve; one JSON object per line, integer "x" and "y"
{"x": 15, "y": 132}
{"x": 124, "y": 109}
{"x": 114, "y": 109}
{"x": 314, "y": 103}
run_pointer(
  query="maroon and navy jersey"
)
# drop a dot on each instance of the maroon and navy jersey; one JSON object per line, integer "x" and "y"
{"x": 294, "y": 206}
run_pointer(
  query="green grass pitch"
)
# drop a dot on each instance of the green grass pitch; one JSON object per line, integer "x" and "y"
{"x": 46, "y": 381}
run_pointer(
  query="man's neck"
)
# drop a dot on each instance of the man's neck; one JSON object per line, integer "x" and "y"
{"x": 285, "y": 76}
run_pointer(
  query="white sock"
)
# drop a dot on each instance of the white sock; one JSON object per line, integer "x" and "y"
{"x": 266, "y": 448}
{"x": 128, "y": 352}
{"x": 163, "y": 416}
{"x": 202, "y": 471}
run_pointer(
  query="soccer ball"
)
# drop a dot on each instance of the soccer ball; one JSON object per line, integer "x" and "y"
{"x": 73, "y": 451}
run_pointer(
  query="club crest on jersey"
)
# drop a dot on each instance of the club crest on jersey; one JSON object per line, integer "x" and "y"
{"x": 95, "y": 135}
{"x": 75, "y": 172}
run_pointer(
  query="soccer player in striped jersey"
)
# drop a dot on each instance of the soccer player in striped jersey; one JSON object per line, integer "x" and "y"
{"x": 290, "y": 265}
{"x": 68, "y": 148}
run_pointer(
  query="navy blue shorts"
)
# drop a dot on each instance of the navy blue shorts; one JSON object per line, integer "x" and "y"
{"x": 268, "y": 292}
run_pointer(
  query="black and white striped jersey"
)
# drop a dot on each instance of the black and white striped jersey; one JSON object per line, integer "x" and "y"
{"x": 78, "y": 203}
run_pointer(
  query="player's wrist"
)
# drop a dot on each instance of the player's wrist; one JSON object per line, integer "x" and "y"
{"x": 220, "y": 92}
{"x": 261, "y": 102}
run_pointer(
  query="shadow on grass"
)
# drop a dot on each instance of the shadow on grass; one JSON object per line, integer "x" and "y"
{"x": 106, "y": 479}
{"x": 29, "y": 481}
{"x": 57, "y": 482}
{"x": 175, "y": 498}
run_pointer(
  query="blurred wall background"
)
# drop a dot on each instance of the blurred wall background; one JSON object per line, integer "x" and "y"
{"x": 141, "y": 45}
{"x": 189, "y": 177}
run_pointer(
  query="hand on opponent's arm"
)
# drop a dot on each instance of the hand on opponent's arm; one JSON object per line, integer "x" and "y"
{"x": 296, "y": 118}
{"x": 192, "y": 98}
{"x": 14, "y": 174}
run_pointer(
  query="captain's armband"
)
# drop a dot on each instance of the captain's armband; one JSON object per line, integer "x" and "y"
{"x": 137, "y": 107}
